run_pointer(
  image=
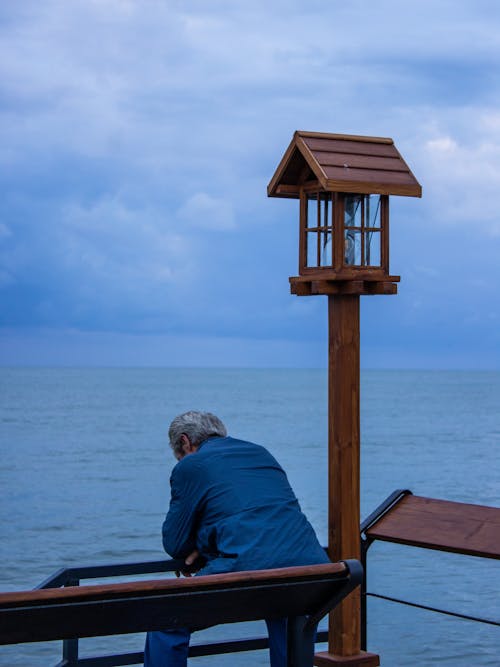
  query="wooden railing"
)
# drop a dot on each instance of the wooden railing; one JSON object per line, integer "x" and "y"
{"x": 402, "y": 518}
{"x": 302, "y": 594}
{"x": 428, "y": 523}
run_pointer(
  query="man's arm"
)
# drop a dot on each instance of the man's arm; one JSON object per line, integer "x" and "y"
{"x": 179, "y": 527}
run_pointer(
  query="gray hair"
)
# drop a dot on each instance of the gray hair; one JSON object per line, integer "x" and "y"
{"x": 198, "y": 426}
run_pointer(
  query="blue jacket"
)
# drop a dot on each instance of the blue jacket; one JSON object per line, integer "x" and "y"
{"x": 231, "y": 500}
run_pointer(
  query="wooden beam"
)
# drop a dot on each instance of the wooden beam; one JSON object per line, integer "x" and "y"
{"x": 284, "y": 162}
{"x": 362, "y": 659}
{"x": 380, "y": 288}
{"x": 300, "y": 289}
{"x": 284, "y": 190}
{"x": 365, "y": 274}
{"x": 304, "y": 286}
{"x": 337, "y": 287}
{"x": 347, "y": 137}
{"x": 376, "y": 188}
{"x": 344, "y": 638}
{"x": 343, "y": 466}
{"x": 316, "y": 168}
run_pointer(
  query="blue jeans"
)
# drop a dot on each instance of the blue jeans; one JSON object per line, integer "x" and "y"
{"x": 170, "y": 648}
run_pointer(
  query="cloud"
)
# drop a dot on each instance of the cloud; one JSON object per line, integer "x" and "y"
{"x": 462, "y": 176}
{"x": 137, "y": 140}
{"x": 206, "y": 212}
{"x": 123, "y": 245}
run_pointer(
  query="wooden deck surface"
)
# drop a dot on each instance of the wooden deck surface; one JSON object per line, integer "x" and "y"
{"x": 440, "y": 524}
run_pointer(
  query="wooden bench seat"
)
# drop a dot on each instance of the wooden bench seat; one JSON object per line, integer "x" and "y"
{"x": 303, "y": 594}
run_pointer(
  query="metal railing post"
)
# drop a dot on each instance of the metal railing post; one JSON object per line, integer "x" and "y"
{"x": 365, "y": 544}
{"x": 384, "y": 507}
{"x": 70, "y": 646}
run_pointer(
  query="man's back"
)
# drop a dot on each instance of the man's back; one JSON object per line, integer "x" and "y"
{"x": 231, "y": 500}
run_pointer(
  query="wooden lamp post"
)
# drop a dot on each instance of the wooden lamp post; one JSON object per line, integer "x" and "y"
{"x": 343, "y": 183}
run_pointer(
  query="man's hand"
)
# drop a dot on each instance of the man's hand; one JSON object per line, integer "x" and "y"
{"x": 190, "y": 570}
{"x": 189, "y": 561}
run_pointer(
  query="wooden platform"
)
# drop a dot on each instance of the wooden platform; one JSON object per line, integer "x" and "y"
{"x": 442, "y": 525}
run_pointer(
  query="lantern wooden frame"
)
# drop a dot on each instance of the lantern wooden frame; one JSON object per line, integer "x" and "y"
{"x": 331, "y": 225}
{"x": 337, "y": 166}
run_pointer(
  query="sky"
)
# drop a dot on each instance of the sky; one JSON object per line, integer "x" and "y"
{"x": 137, "y": 141}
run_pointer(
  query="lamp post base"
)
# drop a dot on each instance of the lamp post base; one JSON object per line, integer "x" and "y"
{"x": 361, "y": 659}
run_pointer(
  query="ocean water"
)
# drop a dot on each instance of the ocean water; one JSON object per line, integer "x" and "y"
{"x": 85, "y": 464}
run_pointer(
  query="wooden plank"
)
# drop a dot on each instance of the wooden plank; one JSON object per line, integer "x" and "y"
{"x": 337, "y": 287}
{"x": 365, "y": 187}
{"x": 352, "y": 287}
{"x": 88, "y": 611}
{"x": 280, "y": 169}
{"x": 284, "y": 190}
{"x": 302, "y": 231}
{"x": 443, "y": 525}
{"x": 360, "y": 161}
{"x": 318, "y": 225}
{"x": 316, "y": 168}
{"x": 384, "y": 220}
{"x": 380, "y": 288}
{"x": 404, "y": 162}
{"x": 374, "y": 274}
{"x": 300, "y": 289}
{"x": 338, "y": 232}
{"x": 325, "y": 287}
{"x": 369, "y": 175}
{"x": 171, "y": 585}
{"x": 351, "y": 147}
{"x": 345, "y": 137}
{"x": 199, "y": 609}
{"x": 312, "y": 186}
{"x": 317, "y": 287}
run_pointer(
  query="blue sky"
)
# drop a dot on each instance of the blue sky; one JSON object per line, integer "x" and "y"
{"x": 137, "y": 141}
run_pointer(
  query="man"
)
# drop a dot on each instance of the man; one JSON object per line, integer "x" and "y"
{"x": 232, "y": 506}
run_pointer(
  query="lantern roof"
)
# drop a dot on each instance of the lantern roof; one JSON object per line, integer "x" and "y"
{"x": 343, "y": 163}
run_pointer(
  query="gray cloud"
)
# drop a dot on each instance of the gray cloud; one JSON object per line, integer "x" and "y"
{"x": 138, "y": 139}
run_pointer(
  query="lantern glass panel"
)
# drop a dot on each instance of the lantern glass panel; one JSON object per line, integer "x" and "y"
{"x": 312, "y": 248}
{"x": 372, "y": 249}
{"x": 312, "y": 210}
{"x": 326, "y": 249}
{"x": 372, "y": 209}
{"x": 352, "y": 247}
{"x": 353, "y": 211}
{"x": 362, "y": 230}
{"x": 319, "y": 230}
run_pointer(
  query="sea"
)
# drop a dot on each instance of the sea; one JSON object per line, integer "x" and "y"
{"x": 84, "y": 479}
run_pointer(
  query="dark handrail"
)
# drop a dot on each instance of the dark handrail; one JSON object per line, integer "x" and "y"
{"x": 383, "y": 508}
{"x": 73, "y": 575}
{"x": 63, "y": 576}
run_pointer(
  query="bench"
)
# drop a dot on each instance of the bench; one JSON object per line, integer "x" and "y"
{"x": 429, "y": 523}
{"x": 303, "y": 594}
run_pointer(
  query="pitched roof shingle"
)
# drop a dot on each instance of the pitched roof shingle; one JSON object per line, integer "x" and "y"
{"x": 343, "y": 163}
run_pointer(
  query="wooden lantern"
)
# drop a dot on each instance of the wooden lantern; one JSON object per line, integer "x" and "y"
{"x": 343, "y": 183}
